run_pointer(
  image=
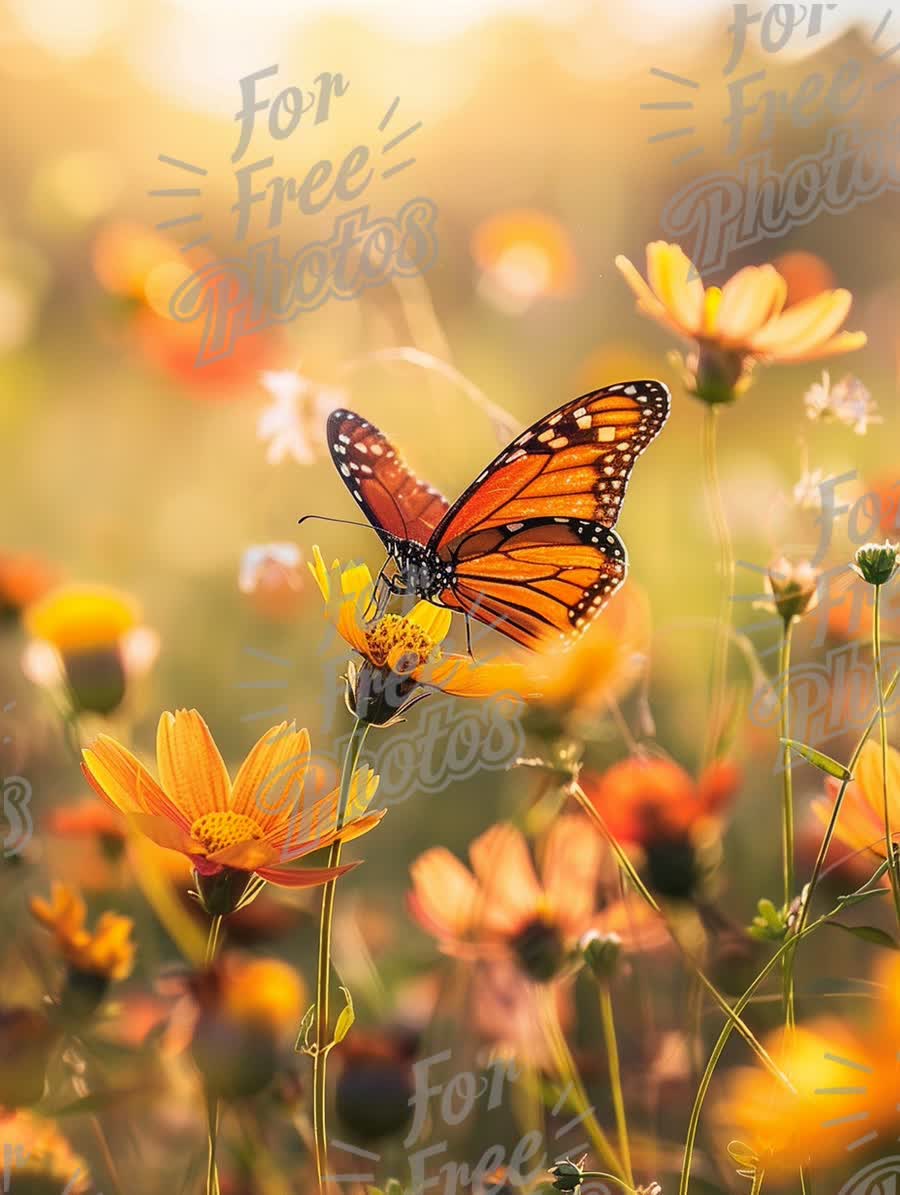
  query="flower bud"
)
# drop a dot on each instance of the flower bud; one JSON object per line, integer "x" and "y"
{"x": 566, "y": 1176}
{"x": 794, "y": 587}
{"x": 876, "y": 563}
{"x": 601, "y": 953}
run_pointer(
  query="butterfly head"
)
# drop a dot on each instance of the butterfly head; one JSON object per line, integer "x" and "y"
{"x": 419, "y": 570}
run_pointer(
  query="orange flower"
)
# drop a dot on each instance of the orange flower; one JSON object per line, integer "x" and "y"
{"x": 744, "y": 321}
{"x": 643, "y": 800}
{"x": 23, "y": 579}
{"x": 87, "y": 819}
{"x": 229, "y": 831}
{"x": 502, "y": 904}
{"x": 107, "y": 952}
{"x": 602, "y": 664}
{"x": 861, "y": 822}
{"x": 525, "y": 255}
{"x": 834, "y": 1104}
{"x": 39, "y": 1157}
{"x": 806, "y": 275}
{"x": 272, "y": 577}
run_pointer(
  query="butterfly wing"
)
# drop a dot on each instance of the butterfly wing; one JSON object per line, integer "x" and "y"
{"x": 574, "y": 463}
{"x": 539, "y": 581}
{"x": 392, "y": 498}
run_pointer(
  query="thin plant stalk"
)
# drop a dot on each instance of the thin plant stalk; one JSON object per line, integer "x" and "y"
{"x": 787, "y": 950}
{"x": 212, "y": 1100}
{"x": 787, "y": 835}
{"x": 893, "y": 870}
{"x": 628, "y": 868}
{"x": 571, "y": 1080}
{"x": 716, "y": 509}
{"x": 756, "y": 1186}
{"x": 323, "y": 971}
{"x": 615, "y": 1078}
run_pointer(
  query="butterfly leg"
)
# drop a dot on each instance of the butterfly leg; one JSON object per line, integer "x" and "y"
{"x": 469, "y": 636}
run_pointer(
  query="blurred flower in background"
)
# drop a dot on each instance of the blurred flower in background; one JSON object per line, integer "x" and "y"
{"x": 847, "y": 402}
{"x": 42, "y": 1162}
{"x": 24, "y": 579}
{"x": 88, "y": 638}
{"x": 271, "y": 576}
{"x": 293, "y": 425}
{"x": 861, "y": 822}
{"x": 107, "y": 951}
{"x": 524, "y": 255}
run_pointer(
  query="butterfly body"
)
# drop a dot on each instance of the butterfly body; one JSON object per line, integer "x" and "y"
{"x": 529, "y": 547}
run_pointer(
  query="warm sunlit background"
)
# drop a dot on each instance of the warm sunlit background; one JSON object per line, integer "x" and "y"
{"x": 125, "y": 464}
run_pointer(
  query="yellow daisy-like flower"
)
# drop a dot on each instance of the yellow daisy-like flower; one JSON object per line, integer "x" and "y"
{"x": 91, "y": 636}
{"x": 407, "y": 646}
{"x": 107, "y": 952}
{"x": 744, "y": 321}
{"x": 39, "y": 1158}
{"x": 230, "y": 831}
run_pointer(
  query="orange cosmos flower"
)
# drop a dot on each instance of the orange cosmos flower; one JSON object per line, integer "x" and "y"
{"x": 744, "y": 321}
{"x": 503, "y": 905}
{"x": 860, "y": 825}
{"x": 39, "y": 1157}
{"x": 644, "y": 799}
{"x": 229, "y": 831}
{"x": 108, "y": 952}
{"x": 782, "y": 1131}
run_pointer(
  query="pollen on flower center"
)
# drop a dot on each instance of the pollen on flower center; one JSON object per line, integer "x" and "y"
{"x": 224, "y": 828}
{"x": 397, "y": 641}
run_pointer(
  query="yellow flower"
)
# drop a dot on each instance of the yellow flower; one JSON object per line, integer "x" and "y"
{"x": 745, "y": 320}
{"x": 860, "y": 825}
{"x": 264, "y": 991}
{"x": 407, "y": 647}
{"x": 90, "y": 635}
{"x": 107, "y": 952}
{"x": 40, "y": 1158}
{"x": 821, "y": 1120}
{"x": 229, "y": 830}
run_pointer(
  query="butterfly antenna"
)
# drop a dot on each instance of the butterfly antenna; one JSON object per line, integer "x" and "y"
{"x": 331, "y": 519}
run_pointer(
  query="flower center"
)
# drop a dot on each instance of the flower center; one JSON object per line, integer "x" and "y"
{"x": 396, "y": 641}
{"x": 224, "y": 828}
{"x": 539, "y": 949}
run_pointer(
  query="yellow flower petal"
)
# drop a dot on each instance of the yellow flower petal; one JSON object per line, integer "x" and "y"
{"x": 672, "y": 276}
{"x": 750, "y": 298}
{"x": 82, "y": 617}
{"x": 190, "y": 766}
{"x": 805, "y": 326}
{"x": 433, "y": 620}
{"x": 122, "y": 780}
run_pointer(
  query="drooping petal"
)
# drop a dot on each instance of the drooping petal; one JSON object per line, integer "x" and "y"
{"x": 269, "y": 784}
{"x": 304, "y": 877}
{"x": 190, "y": 766}
{"x": 844, "y": 342}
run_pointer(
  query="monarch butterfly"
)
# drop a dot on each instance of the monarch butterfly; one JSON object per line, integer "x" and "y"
{"x": 529, "y": 547}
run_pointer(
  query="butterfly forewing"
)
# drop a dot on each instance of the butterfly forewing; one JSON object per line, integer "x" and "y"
{"x": 573, "y": 463}
{"x": 392, "y": 498}
{"x": 538, "y": 582}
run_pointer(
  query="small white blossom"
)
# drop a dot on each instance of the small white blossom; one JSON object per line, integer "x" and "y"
{"x": 808, "y": 490}
{"x": 848, "y": 401}
{"x": 293, "y": 425}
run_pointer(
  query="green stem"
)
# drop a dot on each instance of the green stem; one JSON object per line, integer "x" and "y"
{"x": 628, "y": 868}
{"x": 893, "y": 869}
{"x": 571, "y": 1080}
{"x": 323, "y": 973}
{"x": 716, "y": 509}
{"x": 787, "y": 837}
{"x": 212, "y": 1101}
{"x": 787, "y": 949}
{"x": 756, "y": 1186}
{"x": 615, "y": 1078}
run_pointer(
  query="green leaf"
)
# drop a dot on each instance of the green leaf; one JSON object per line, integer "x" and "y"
{"x": 346, "y": 1019}
{"x": 819, "y": 760}
{"x": 856, "y": 898}
{"x": 868, "y": 933}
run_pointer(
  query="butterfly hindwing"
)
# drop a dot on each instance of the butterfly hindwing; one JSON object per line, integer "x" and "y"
{"x": 392, "y": 498}
{"x": 538, "y": 581}
{"x": 573, "y": 463}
